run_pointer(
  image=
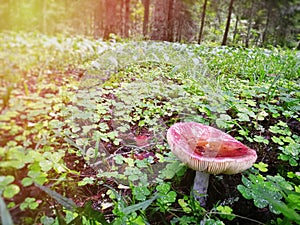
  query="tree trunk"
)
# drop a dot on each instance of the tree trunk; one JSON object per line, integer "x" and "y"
{"x": 202, "y": 22}
{"x": 249, "y": 25}
{"x": 227, "y": 23}
{"x": 126, "y": 18}
{"x": 110, "y": 18}
{"x": 236, "y": 29}
{"x": 159, "y": 30}
{"x": 179, "y": 30}
{"x": 98, "y": 19}
{"x": 170, "y": 20}
{"x": 264, "y": 36}
{"x": 146, "y": 17}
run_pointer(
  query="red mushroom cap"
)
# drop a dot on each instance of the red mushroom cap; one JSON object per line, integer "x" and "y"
{"x": 207, "y": 149}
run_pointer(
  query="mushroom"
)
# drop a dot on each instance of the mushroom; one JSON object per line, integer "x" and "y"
{"x": 208, "y": 150}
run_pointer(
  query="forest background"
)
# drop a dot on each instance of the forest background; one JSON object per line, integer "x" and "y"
{"x": 241, "y": 22}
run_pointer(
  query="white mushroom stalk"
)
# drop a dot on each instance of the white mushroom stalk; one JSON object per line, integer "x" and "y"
{"x": 208, "y": 150}
{"x": 200, "y": 186}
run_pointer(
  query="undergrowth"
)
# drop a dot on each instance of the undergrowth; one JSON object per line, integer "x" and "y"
{"x": 83, "y": 127}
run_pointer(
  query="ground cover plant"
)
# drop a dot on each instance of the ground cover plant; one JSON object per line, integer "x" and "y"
{"x": 83, "y": 126}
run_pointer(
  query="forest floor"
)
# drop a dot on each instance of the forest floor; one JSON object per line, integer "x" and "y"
{"x": 83, "y": 131}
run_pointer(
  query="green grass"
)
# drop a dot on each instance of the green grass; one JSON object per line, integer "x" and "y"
{"x": 89, "y": 118}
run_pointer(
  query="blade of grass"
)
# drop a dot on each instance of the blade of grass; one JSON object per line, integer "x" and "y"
{"x": 4, "y": 213}
{"x": 65, "y": 202}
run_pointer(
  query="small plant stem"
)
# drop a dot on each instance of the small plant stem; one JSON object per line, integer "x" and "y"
{"x": 271, "y": 87}
{"x": 200, "y": 187}
{"x": 242, "y": 217}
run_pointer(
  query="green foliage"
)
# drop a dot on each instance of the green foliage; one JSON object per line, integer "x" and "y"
{"x": 140, "y": 176}
{"x": 194, "y": 213}
{"x": 261, "y": 166}
{"x": 225, "y": 212}
{"x": 255, "y": 65}
{"x": 8, "y": 189}
{"x": 30, "y": 203}
{"x": 95, "y": 99}
{"x": 75, "y": 215}
{"x": 166, "y": 197}
{"x": 273, "y": 191}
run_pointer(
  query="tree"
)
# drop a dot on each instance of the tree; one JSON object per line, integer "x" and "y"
{"x": 228, "y": 23}
{"x": 126, "y": 18}
{"x": 146, "y": 4}
{"x": 202, "y": 21}
{"x": 235, "y": 31}
{"x": 185, "y": 25}
{"x": 267, "y": 24}
{"x": 170, "y": 25}
{"x": 284, "y": 23}
{"x": 159, "y": 29}
{"x": 98, "y": 18}
{"x": 110, "y": 18}
{"x": 249, "y": 24}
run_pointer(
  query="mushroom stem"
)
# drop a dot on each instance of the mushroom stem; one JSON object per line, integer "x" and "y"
{"x": 200, "y": 187}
